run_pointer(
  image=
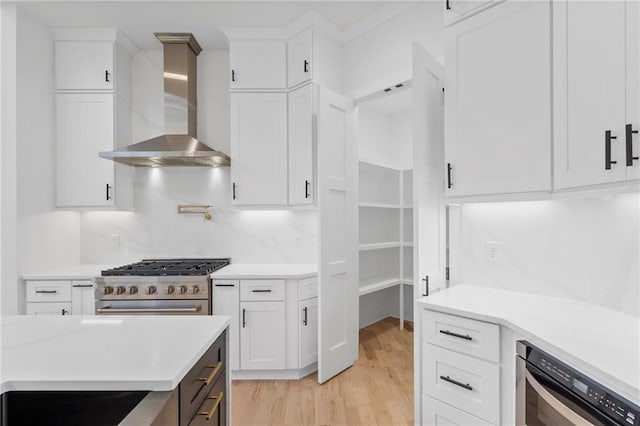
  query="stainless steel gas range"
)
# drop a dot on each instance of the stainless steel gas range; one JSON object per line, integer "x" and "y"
{"x": 157, "y": 287}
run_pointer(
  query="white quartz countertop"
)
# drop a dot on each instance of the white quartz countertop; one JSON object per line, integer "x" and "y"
{"x": 151, "y": 353}
{"x": 597, "y": 341}
{"x": 77, "y": 272}
{"x": 265, "y": 271}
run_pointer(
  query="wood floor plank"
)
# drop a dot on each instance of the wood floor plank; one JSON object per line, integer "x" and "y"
{"x": 376, "y": 390}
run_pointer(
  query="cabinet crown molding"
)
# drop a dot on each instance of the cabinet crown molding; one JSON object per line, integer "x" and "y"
{"x": 95, "y": 34}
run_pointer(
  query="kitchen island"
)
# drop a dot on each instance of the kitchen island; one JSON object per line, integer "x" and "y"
{"x": 148, "y": 356}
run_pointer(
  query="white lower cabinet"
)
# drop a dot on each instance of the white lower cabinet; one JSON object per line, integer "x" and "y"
{"x": 262, "y": 336}
{"x": 60, "y": 297}
{"x": 436, "y": 413}
{"x": 273, "y": 326}
{"x": 308, "y": 331}
{"x": 459, "y": 370}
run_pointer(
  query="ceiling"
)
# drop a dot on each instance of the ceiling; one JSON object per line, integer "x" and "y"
{"x": 395, "y": 102}
{"x": 140, "y": 19}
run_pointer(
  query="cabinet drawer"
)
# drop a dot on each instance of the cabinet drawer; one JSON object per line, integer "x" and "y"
{"x": 199, "y": 381}
{"x": 261, "y": 290}
{"x": 308, "y": 288}
{"x": 462, "y": 381}
{"x": 48, "y": 291}
{"x": 212, "y": 411}
{"x": 436, "y": 413}
{"x": 49, "y": 308}
{"x": 477, "y": 338}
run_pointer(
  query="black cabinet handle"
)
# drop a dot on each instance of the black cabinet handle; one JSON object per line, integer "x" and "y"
{"x": 268, "y": 290}
{"x": 244, "y": 318}
{"x": 306, "y": 66}
{"x": 459, "y": 336}
{"x": 449, "y": 184}
{"x": 233, "y": 75}
{"x": 82, "y": 285}
{"x": 64, "y": 311}
{"x": 629, "y": 141}
{"x": 608, "y": 137}
{"x": 107, "y": 76}
{"x": 224, "y": 285}
{"x": 306, "y": 189}
{"x": 304, "y": 320}
{"x": 46, "y": 291}
{"x": 426, "y": 285}
{"x": 234, "y": 190}
{"x": 108, "y": 194}
{"x": 447, "y": 5}
{"x": 467, "y": 386}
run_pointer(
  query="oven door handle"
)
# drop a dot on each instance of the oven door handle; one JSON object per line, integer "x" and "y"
{"x": 109, "y": 310}
{"x": 562, "y": 409}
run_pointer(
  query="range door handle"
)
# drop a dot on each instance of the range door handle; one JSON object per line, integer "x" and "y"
{"x": 557, "y": 406}
{"x": 110, "y": 310}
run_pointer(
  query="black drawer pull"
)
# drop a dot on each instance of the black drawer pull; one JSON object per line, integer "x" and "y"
{"x": 46, "y": 291}
{"x": 459, "y": 336}
{"x": 467, "y": 386}
{"x": 224, "y": 285}
{"x": 261, "y": 291}
{"x": 82, "y": 285}
{"x": 629, "y": 144}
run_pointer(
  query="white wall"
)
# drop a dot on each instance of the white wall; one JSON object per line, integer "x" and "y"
{"x": 584, "y": 249}
{"x": 382, "y": 57}
{"x": 155, "y": 229}
{"x": 384, "y": 139}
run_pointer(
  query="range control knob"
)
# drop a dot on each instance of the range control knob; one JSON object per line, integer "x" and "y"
{"x": 107, "y": 289}
{"x": 133, "y": 289}
{"x": 195, "y": 289}
{"x": 151, "y": 289}
{"x": 182, "y": 289}
{"x": 120, "y": 289}
{"x": 171, "y": 289}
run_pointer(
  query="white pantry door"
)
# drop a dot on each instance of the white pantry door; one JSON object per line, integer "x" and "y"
{"x": 429, "y": 219}
{"x": 337, "y": 208}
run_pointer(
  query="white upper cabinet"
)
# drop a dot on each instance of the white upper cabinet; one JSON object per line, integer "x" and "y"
{"x": 84, "y": 128}
{"x": 299, "y": 57}
{"x": 258, "y": 64}
{"x": 301, "y": 182}
{"x": 498, "y": 101}
{"x": 84, "y": 65}
{"x": 259, "y": 149}
{"x": 595, "y": 100}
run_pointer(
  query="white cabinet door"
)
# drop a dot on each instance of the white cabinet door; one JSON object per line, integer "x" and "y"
{"x": 632, "y": 140}
{"x": 226, "y": 301}
{"x": 85, "y": 126}
{"x": 498, "y": 100}
{"x": 301, "y": 152}
{"x": 262, "y": 336}
{"x": 436, "y": 413}
{"x": 82, "y": 298}
{"x": 259, "y": 148}
{"x": 308, "y": 332}
{"x": 84, "y": 65}
{"x": 589, "y": 94}
{"x": 49, "y": 308}
{"x": 258, "y": 64}
{"x": 299, "y": 55}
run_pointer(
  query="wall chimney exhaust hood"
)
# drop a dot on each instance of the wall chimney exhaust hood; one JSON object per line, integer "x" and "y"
{"x": 179, "y": 146}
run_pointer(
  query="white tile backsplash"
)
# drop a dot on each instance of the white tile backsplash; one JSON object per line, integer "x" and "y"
{"x": 585, "y": 249}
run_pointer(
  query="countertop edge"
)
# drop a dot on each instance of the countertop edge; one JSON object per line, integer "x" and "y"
{"x": 623, "y": 388}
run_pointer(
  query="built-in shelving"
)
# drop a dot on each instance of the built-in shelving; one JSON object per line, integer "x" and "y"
{"x": 385, "y": 229}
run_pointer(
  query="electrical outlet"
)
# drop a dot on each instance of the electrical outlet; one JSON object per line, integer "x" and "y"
{"x": 494, "y": 249}
{"x": 115, "y": 241}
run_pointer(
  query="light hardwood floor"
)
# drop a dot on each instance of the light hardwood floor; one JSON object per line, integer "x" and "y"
{"x": 376, "y": 390}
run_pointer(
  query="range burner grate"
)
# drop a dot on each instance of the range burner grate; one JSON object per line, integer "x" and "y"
{"x": 160, "y": 267}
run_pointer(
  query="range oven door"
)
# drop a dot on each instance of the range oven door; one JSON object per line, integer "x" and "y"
{"x": 152, "y": 307}
{"x": 540, "y": 401}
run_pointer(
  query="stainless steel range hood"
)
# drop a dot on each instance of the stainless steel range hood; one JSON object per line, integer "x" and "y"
{"x": 179, "y": 146}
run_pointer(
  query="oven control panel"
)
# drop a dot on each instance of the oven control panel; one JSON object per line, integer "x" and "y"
{"x": 122, "y": 288}
{"x": 614, "y": 406}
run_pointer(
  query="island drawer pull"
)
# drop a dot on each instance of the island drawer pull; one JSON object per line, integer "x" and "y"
{"x": 46, "y": 291}
{"x": 209, "y": 414}
{"x": 459, "y": 336}
{"x": 467, "y": 386}
{"x": 213, "y": 374}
